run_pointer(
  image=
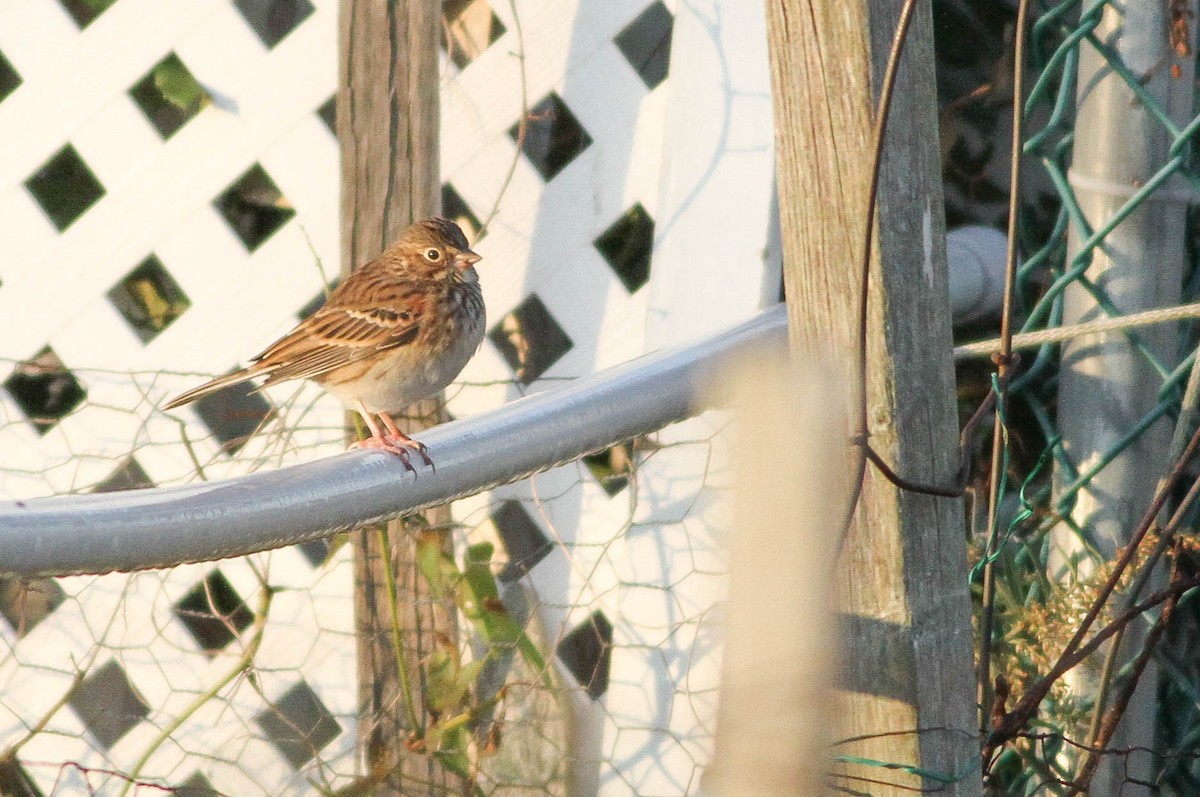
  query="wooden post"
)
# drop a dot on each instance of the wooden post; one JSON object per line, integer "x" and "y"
{"x": 387, "y": 122}
{"x": 906, "y": 662}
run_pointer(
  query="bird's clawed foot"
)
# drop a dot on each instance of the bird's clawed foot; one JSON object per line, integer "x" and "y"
{"x": 399, "y": 447}
{"x": 392, "y": 440}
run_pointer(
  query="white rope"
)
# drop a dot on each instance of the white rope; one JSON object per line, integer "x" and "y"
{"x": 1029, "y": 340}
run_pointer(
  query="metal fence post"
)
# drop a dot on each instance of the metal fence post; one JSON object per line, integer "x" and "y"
{"x": 1107, "y": 385}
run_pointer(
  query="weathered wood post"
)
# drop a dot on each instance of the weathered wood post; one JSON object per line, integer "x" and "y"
{"x": 906, "y": 672}
{"x": 387, "y": 123}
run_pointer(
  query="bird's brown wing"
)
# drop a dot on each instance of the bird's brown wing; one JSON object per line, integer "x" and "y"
{"x": 367, "y": 314}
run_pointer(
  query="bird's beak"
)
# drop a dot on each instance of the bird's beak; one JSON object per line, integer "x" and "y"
{"x": 466, "y": 258}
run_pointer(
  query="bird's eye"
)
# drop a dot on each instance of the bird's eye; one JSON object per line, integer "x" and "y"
{"x": 433, "y": 255}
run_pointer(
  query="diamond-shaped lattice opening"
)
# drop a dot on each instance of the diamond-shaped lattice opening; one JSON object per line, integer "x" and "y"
{"x": 9, "y": 79}
{"x": 455, "y": 208}
{"x": 129, "y": 476}
{"x": 84, "y": 12}
{"x": 169, "y": 95}
{"x": 316, "y": 551}
{"x": 233, "y": 415}
{"x": 316, "y": 302}
{"x": 328, "y": 114}
{"x": 64, "y": 187}
{"x": 523, "y": 539}
{"x": 298, "y": 725}
{"x": 254, "y": 207}
{"x": 553, "y": 136}
{"x": 44, "y": 390}
{"x": 646, "y": 43}
{"x": 587, "y": 652}
{"x": 15, "y": 781}
{"x": 24, "y": 604}
{"x": 529, "y": 339}
{"x": 470, "y": 28}
{"x": 213, "y": 613}
{"x": 273, "y": 20}
{"x": 627, "y": 246}
{"x": 196, "y": 786}
{"x": 149, "y": 299}
{"x": 108, "y": 705}
{"x": 612, "y": 468}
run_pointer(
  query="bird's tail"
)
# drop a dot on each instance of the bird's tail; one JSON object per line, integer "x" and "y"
{"x": 210, "y": 387}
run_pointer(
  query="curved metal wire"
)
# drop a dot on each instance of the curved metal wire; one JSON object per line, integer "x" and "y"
{"x": 161, "y": 527}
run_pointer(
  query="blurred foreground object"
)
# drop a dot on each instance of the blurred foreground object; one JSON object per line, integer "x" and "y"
{"x": 773, "y": 728}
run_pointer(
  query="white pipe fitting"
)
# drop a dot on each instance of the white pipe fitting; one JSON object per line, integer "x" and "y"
{"x": 975, "y": 256}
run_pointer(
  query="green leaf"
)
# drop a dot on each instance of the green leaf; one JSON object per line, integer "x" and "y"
{"x": 441, "y": 690}
{"x": 453, "y": 753}
{"x": 448, "y": 682}
{"x": 431, "y": 564}
{"x": 479, "y": 599}
{"x": 178, "y": 87}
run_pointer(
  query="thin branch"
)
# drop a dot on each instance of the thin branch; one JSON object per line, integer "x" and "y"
{"x": 522, "y": 124}
{"x": 244, "y": 662}
{"x": 1113, "y": 716}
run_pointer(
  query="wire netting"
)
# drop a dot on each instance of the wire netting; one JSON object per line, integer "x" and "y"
{"x": 238, "y": 677}
{"x": 169, "y": 208}
{"x": 1072, "y": 498}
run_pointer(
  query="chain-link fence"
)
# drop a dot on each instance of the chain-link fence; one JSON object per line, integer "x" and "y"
{"x": 1095, "y": 426}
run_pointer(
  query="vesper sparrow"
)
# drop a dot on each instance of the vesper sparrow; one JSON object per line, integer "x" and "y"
{"x": 394, "y": 332}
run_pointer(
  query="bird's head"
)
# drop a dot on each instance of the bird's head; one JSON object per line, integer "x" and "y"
{"x": 433, "y": 248}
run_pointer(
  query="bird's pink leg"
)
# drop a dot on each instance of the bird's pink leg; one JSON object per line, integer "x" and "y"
{"x": 393, "y": 440}
{"x": 372, "y": 424}
{"x": 405, "y": 440}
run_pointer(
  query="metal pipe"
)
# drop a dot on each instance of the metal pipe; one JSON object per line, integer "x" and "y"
{"x": 1125, "y": 131}
{"x": 166, "y": 526}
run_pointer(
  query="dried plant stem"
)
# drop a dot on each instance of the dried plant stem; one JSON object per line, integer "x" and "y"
{"x": 244, "y": 662}
{"x": 1014, "y": 721}
{"x": 522, "y": 124}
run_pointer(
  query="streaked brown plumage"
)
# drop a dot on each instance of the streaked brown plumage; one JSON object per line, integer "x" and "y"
{"x": 395, "y": 332}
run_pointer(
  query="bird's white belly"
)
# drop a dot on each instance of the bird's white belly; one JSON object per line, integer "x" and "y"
{"x": 406, "y": 378}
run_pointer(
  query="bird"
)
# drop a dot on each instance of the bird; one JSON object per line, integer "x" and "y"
{"x": 396, "y": 331}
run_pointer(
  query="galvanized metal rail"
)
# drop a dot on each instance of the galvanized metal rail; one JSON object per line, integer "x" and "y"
{"x": 161, "y": 527}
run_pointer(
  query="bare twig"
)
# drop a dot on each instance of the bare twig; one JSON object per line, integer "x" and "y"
{"x": 522, "y": 124}
{"x": 1113, "y": 716}
{"x": 1183, "y": 427}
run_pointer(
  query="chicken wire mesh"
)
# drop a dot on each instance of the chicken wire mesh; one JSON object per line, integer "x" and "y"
{"x": 169, "y": 206}
{"x": 155, "y": 192}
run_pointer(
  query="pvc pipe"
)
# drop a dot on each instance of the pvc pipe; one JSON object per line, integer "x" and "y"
{"x": 975, "y": 255}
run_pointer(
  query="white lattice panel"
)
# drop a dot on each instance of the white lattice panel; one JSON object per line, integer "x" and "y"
{"x": 685, "y": 162}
